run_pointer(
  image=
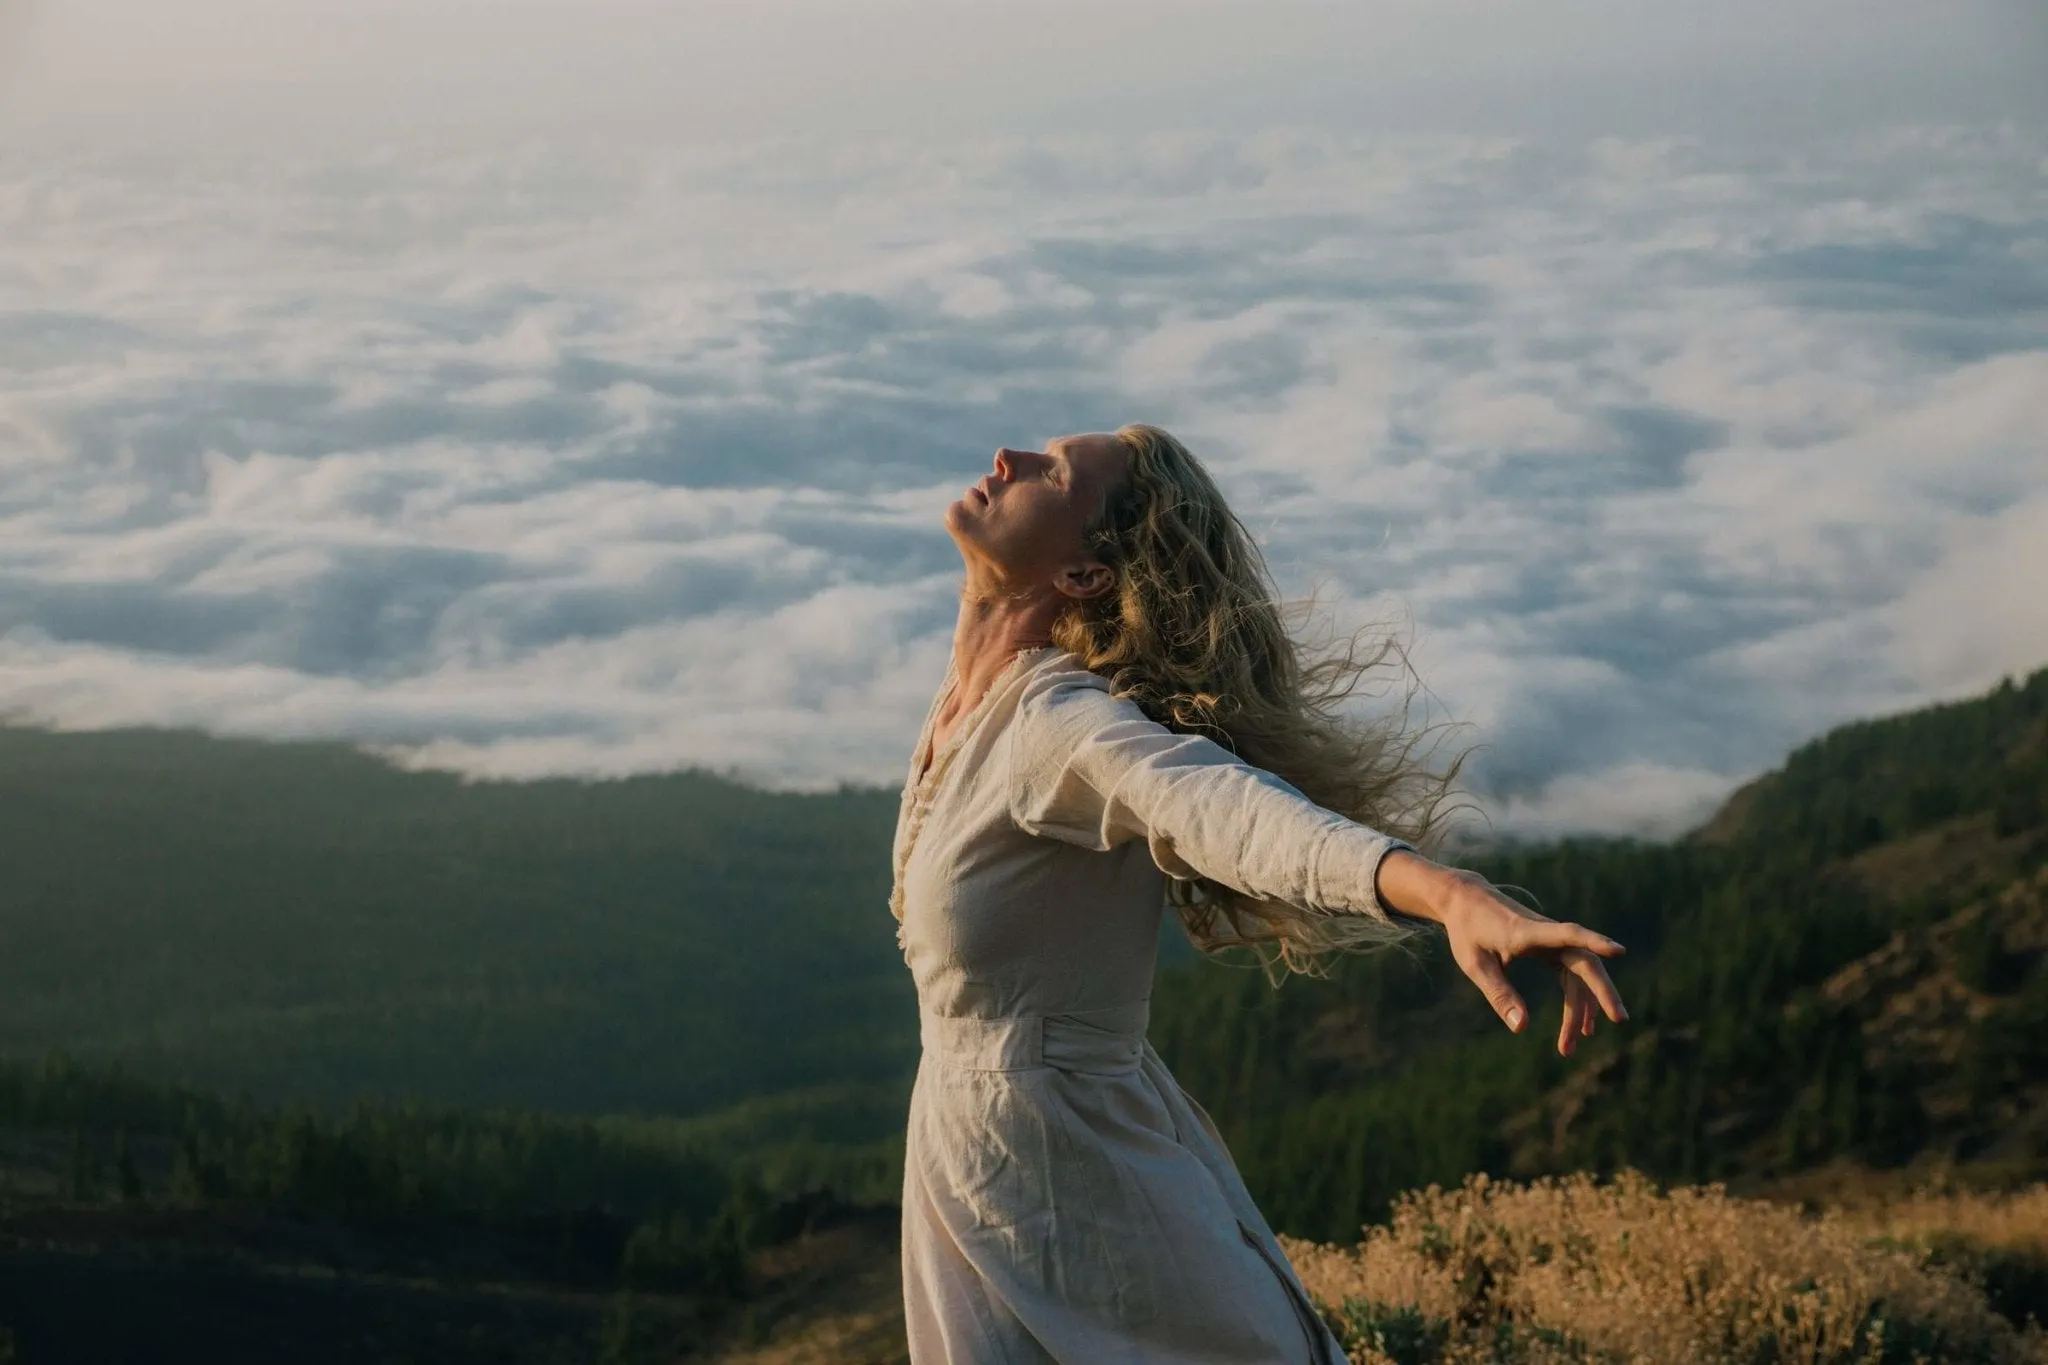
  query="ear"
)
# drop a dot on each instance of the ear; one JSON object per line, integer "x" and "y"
{"x": 1089, "y": 578}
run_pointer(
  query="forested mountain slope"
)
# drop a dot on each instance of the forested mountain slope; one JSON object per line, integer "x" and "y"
{"x": 1846, "y": 964}
{"x": 305, "y": 921}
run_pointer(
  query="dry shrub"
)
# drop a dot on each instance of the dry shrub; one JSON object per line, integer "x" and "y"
{"x": 2014, "y": 1222}
{"x": 1580, "y": 1270}
{"x": 1998, "y": 1242}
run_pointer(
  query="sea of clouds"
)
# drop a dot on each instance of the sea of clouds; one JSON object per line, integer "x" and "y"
{"x": 1660, "y": 458}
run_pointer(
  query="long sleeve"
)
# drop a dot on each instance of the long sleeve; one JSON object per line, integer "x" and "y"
{"x": 1094, "y": 770}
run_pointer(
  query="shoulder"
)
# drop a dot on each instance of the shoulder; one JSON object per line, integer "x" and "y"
{"x": 1062, "y": 709}
{"x": 1060, "y": 696}
{"x": 1059, "y": 674}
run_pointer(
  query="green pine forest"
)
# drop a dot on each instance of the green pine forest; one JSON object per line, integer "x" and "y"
{"x": 1844, "y": 965}
{"x": 618, "y": 1036}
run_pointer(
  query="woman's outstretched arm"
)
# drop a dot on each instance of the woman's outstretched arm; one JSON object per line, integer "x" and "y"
{"x": 1094, "y": 770}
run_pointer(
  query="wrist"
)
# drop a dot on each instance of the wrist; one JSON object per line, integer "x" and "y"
{"x": 1412, "y": 886}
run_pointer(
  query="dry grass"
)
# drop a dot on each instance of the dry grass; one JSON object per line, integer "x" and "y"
{"x": 1584, "y": 1271}
{"x": 873, "y": 1337}
{"x": 830, "y": 1298}
{"x": 1998, "y": 1243}
{"x": 2013, "y": 1222}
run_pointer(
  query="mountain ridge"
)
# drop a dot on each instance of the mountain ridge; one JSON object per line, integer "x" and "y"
{"x": 307, "y": 923}
{"x": 1756, "y": 978}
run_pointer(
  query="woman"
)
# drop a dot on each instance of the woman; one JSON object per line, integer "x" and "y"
{"x": 1126, "y": 724}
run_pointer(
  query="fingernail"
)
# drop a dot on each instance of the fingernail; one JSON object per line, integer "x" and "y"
{"x": 1514, "y": 1019}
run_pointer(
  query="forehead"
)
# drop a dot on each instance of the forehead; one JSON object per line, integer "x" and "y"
{"x": 1096, "y": 451}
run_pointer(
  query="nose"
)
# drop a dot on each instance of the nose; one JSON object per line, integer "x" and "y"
{"x": 1005, "y": 462}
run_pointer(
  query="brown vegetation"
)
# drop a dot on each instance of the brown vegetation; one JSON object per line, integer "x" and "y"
{"x": 1567, "y": 1270}
{"x": 1579, "y": 1270}
{"x": 833, "y": 1297}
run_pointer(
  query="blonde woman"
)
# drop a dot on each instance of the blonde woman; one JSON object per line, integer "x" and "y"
{"x": 1126, "y": 725}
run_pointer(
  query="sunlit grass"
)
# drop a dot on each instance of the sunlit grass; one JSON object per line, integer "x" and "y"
{"x": 1580, "y": 1270}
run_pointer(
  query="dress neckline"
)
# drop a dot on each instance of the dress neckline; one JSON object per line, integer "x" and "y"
{"x": 927, "y": 765}
{"x": 928, "y": 770}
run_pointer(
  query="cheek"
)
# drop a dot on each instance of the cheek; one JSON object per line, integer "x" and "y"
{"x": 1054, "y": 525}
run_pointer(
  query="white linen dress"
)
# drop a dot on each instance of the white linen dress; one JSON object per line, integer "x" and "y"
{"x": 1063, "y": 1199}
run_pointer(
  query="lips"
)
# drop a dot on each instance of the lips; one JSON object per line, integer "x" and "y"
{"x": 976, "y": 490}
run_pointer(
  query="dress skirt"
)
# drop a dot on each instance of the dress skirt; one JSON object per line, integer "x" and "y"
{"x": 1064, "y": 1200}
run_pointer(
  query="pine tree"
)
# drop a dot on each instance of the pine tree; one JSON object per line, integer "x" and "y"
{"x": 621, "y": 1331}
{"x": 81, "y": 1171}
{"x": 125, "y": 1172}
{"x": 189, "y": 1185}
{"x": 725, "y": 1254}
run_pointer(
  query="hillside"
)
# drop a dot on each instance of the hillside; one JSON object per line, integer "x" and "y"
{"x": 1837, "y": 984}
{"x": 1843, "y": 970}
{"x": 234, "y": 1233}
{"x": 1842, "y": 966}
{"x": 305, "y": 921}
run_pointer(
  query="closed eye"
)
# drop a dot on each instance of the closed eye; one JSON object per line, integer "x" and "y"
{"x": 1057, "y": 470}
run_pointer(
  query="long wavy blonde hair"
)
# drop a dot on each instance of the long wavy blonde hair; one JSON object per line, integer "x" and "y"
{"x": 1195, "y": 633}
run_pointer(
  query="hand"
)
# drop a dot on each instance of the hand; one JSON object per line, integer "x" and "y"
{"x": 1488, "y": 931}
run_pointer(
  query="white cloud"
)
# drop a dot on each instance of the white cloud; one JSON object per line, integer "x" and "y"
{"x": 607, "y": 460}
{"x": 1640, "y": 799}
{"x": 1982, "y": 612}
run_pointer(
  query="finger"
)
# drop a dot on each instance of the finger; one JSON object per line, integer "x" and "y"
{"x": 1587, "y": 1010}
{"x": 1593, "y": 973}
{"x": 1568, "y": 1029}
{"x": 1486, "y": 973}
{"x": 1555, "y": 934}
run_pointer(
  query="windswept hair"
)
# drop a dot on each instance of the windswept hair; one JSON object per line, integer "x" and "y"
{"x": 1195, "y": 634}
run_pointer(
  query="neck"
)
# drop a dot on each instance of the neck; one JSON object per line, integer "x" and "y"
{"x": 993, "y": 627}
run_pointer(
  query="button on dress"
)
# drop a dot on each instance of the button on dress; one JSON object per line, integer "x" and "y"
{"x": 1063, "y": 1199}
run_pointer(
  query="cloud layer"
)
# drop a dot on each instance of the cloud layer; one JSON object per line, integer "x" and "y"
{"x": 573, "y": 461}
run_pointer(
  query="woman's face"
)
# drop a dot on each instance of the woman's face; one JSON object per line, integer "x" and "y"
{"x": 1025, "y": 520}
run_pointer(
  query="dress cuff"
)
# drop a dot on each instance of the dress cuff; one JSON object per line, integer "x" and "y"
{"x": 1347, "y": 872}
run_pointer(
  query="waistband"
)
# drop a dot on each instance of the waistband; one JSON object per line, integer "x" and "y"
{"x": 1099, "y": 1040}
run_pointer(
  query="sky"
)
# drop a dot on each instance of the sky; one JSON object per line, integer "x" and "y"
{"x": 526, "y": 388}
